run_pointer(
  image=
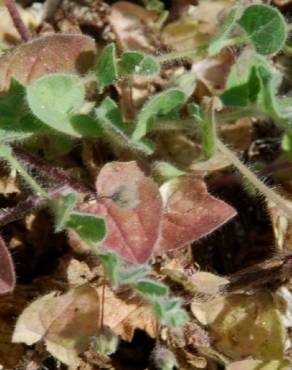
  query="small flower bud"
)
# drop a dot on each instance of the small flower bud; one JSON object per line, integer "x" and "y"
{"x": 106, "y": 341}
{"x": 164, "y": 359}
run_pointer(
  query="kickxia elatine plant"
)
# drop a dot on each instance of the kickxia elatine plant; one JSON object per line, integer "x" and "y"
{"x": 128, "y": 217}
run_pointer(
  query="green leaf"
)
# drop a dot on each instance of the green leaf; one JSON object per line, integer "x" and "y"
{"x": 130, "y": 275}
{"x": 139, "y": 63}
{"x": 110, "y": 120}
{"x": 269, "y": 103}
{"x": 185, "y": 83}
{"x": 15, "y": 117}
{"x": 151, "y": 287}
{"x": 54, "y": 99}
{"x": 243, "y": 84}
{"x": 10, "y": 136}
{"x": 12, "y": 102}
{"x": 5, "y": 151}
{"x": 287, "y": 144}
{"x": 148, "y": 66}
{"x": 218, "y": 42}
{"x": 244, "y": 94}
{"x": 170, "y": 312}
{"x": 90, "y": 228}
{"x": 110, "y": 263}
{"x": 265, "y": 27}
{"x": 156, "y": 5}
{"x": 63, "y": 208}
{"x": 196, "y": 111}
{"x": 130, "y": 60}
{"x": 159, "y": 105}
{"x": 207, "y": 129}
{"x": 86, "y": 125}
{"x": 106, "y": 69}
{"x": 163, "y": 171}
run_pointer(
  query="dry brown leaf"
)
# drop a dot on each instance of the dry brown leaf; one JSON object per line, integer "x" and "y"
{"x": 244, "y": 325}
{"x": 259, "y": 365}
{"x": 66, "y": 323}
{"x": 8, "y": 182}
{"x": 282, "y": 2}
{"x": 132, "y": 23}
{"x": 125, "y": 316}
{"x": 208, "y": 283}
{"x": 197, "y": 26}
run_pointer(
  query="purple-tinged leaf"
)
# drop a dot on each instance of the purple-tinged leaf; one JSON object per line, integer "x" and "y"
{"x": 7, "y": 272}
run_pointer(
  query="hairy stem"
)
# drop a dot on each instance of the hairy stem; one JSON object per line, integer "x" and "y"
{"x": 7, "y": 154}
{"x": 54, "y": 172}
{"x": 17, "y": 20}
{"x": 190, "y": 53}
{"x": 269, "y": 193}
{"x": 190, "y": 123}
{"x": 8, "y": 215}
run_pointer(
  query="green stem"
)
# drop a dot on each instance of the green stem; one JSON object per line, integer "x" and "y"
{"x": 269, "y": 193}
{"x": 6, "y": 153}
{"x": 189, "y": 124}
{"x": 239, "y": 40}
{"x": 201, "y": 50}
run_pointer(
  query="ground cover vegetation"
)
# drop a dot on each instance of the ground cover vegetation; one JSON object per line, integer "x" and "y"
{"x": 145, "y": 185}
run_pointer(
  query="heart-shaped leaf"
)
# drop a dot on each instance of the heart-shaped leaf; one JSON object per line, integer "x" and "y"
{"x": 190, "y": 212}
{"x": 136, "y": 223}
{"x": 131, "y": 205}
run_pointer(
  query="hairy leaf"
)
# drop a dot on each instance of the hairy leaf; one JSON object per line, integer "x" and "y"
{"x": 110, "y": 121}
{"x": 62, "y": 53}
{"x": 170, "y": 312}
{"x": 218, "y": 42}
{"x": 265, "y": 27}
{"x": 63, "y": 207}
{"x": 106, "y": 68}
{"x": 159, "y": 105}
{"x": 190, "y": 212}
{"x": 132, "y": 230}
{"x": 89, "y": 227}
{"x": 16, "y": 120}
{"x": 151, "y": 287}
{"x": 139, "y": 63}
{"x": 54, "y": 99}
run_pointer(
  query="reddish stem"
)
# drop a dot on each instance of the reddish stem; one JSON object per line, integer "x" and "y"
{"x": 54, "y": 172}
{"x": 8, "y": 215}
{"x": 17, "y": 20}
